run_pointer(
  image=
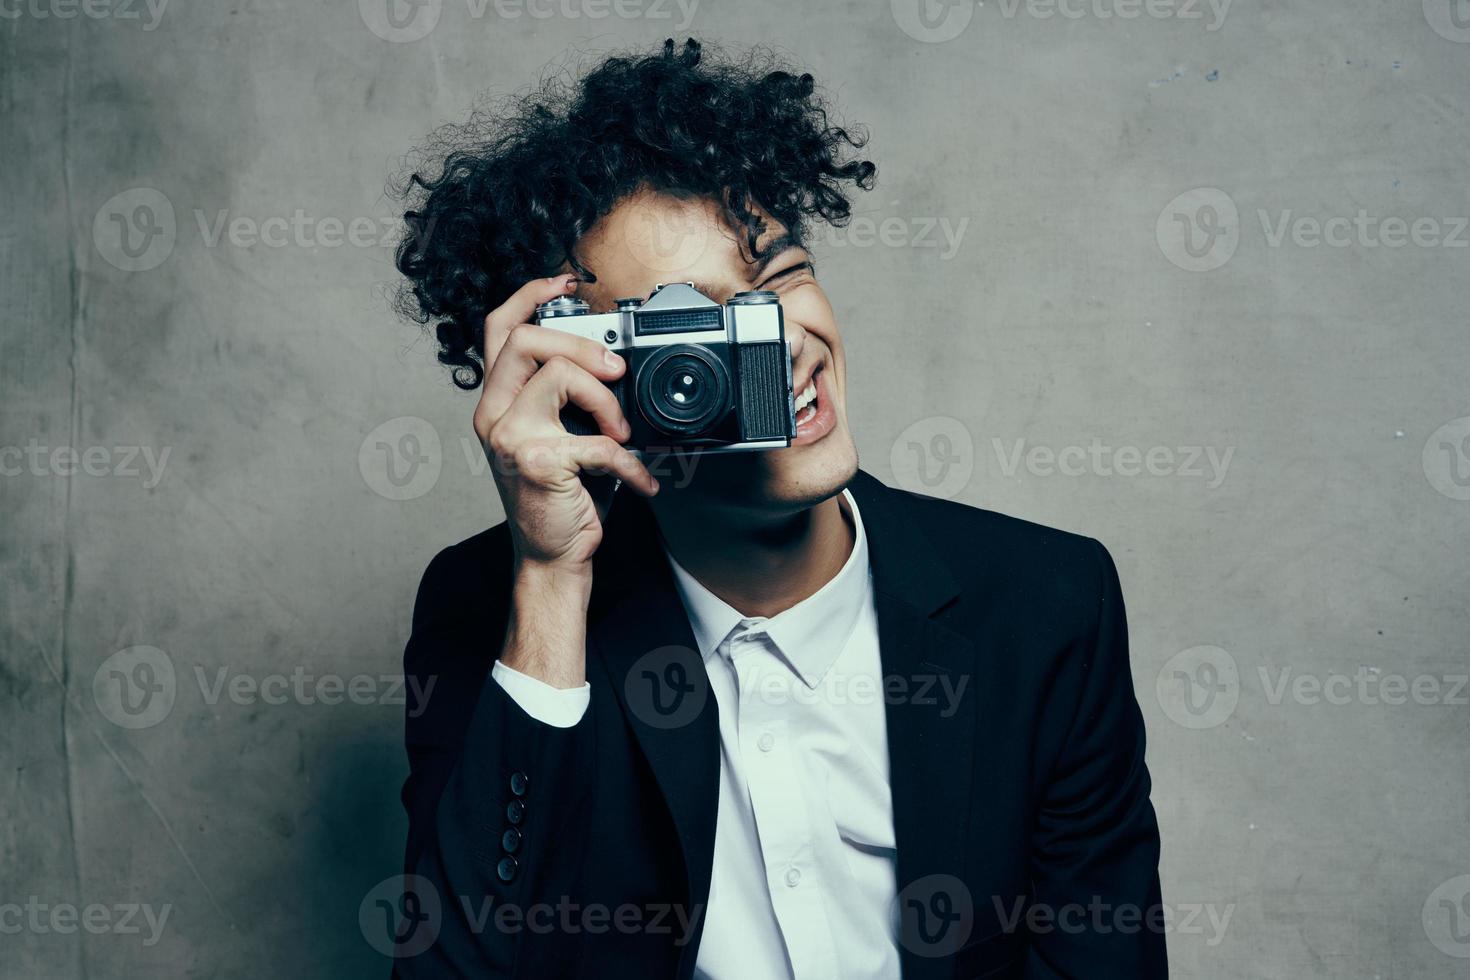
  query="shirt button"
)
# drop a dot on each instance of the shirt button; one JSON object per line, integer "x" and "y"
{"x": 793, "y": 877}
{"x": 767, "y": 741}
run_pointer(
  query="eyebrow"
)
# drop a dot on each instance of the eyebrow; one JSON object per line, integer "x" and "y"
{"x": 774, "y": 250}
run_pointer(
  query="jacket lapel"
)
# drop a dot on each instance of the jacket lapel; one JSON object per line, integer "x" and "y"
{"x": 637, "y": 626}
{"x": 931, "y": 722}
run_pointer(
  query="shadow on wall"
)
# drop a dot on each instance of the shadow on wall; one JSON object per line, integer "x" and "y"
{"x": 357, "y": 842}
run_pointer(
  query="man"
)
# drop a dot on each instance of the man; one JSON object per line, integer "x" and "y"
{"x": 766, "y": 717}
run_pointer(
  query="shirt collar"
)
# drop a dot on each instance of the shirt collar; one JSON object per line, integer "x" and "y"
{"x": 809, "y": 635}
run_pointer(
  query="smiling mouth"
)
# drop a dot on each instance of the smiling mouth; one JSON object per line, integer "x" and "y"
{"x": 815, "y": 413}
{"x": 806, "y": 403}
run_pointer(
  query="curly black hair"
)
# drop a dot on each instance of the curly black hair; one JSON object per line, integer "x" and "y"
{"x": 518, "y": 186}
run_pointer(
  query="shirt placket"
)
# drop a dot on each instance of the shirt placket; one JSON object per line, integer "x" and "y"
{"x": 778, "y": 798}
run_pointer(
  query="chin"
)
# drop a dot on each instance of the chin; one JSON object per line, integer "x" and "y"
{"x": 779, "y": 481}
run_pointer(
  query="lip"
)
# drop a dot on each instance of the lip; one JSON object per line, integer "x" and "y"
{"x": 825, "y": 419}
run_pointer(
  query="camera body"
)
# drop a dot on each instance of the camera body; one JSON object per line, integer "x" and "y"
{"x": 701, "y": 377}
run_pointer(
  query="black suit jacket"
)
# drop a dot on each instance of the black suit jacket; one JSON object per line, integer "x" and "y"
{"x": 1026, "y": 842}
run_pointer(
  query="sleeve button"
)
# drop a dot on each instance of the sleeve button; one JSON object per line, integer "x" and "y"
{"x": 515, "y": 811}
{"x": 511, "y": 840}
{"x": 519, "y": 783}
{"x": 506, "y": 869}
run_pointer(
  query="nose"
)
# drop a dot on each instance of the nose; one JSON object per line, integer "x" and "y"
{"x": 796, "y": 337}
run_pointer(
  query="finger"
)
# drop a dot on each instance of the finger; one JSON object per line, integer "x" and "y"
{"x": 599, "y": 454}
{"x": 555, "y": 385}
{"x": 528, "y": 348}
{"x": 520, "y": 308}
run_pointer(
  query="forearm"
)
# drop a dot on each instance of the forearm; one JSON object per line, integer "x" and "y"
{"x": 546, "y": 635}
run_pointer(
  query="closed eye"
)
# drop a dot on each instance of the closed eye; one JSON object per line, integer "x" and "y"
{"x": 786, "y": 274}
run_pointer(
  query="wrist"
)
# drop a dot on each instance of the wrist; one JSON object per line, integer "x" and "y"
{"x": 560, "y": 585}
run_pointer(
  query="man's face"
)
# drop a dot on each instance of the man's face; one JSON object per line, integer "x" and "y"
{"x": 651, "y": 238}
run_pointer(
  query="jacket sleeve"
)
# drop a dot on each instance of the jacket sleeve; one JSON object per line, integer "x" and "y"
{"x": 493, "y": 795}
{"x": 1095, "y": 855}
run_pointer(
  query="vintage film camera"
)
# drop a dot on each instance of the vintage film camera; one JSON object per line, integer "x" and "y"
{"x": 701, "y": 377}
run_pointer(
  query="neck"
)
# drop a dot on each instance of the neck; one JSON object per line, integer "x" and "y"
{"x": 764, "y": 566}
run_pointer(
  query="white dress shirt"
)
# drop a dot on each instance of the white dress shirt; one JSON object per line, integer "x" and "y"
{"x": 803, "y": 881}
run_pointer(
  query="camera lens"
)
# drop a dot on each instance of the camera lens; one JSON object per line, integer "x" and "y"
{"x": 684, "y": 390}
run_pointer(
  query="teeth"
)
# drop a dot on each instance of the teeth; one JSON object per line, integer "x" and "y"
{"x": 806, "y": 397}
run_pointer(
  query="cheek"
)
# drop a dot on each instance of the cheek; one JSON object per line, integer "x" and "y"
{"x": 808, "y": 307}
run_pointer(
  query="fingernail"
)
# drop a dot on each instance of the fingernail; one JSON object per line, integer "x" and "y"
{"x": 610, "y": 359}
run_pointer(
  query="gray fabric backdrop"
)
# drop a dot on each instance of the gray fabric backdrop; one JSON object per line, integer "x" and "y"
{"x": 1188, "y": 277}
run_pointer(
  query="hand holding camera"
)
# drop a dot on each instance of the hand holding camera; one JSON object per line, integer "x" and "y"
{"x": 532, "y": 374}
{"x": 567, "y": 395}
